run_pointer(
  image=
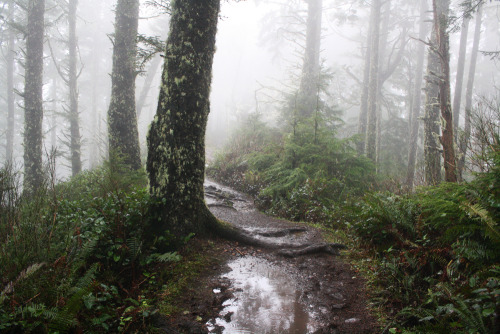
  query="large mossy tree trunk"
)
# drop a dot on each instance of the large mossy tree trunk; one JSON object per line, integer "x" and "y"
{"x": 441, "y": 21}
{"x": 122, "y": 119}
{"x": 33, "y": 97}
{"x": 176, "y": 140}
{"x": 432, "y": 129}
{"x": 74, "y": 123}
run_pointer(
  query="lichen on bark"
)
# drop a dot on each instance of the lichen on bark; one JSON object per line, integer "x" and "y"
{"x": 33, "y": 97}
{"x": 122, "y": 119}
{"x": 176, "y": 140}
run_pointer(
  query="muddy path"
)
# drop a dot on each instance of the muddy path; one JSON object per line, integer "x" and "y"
{"x": 258, "y": 291}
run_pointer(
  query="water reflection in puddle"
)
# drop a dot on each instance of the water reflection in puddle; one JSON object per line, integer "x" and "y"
{"x": 266, "y": 300}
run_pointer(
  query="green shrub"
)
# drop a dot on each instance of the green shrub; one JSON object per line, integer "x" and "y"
{"x": 438, "y": 252}
{"x": 72, "y": 255}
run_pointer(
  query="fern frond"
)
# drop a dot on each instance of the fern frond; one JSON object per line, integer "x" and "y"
{"x": 66, "y": 318}
{"x": 9, "y": 288}
{"x": 167, "y": 257}
{"x": 490, "y": 224}
{"x": 135, "y": 246}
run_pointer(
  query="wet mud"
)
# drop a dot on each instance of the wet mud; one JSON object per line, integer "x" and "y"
{"x": 259, "y": 291}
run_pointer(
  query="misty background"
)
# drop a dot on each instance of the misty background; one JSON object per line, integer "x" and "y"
{"x": 260, "y": 47}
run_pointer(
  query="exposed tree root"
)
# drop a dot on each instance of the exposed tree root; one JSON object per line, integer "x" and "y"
{"x": 230, "y": 232}
{"x": 221, "y": 205}
{"x": 313, "y": 249}
{"x": 282, "y": 233}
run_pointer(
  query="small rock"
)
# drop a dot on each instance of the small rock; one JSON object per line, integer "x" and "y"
{"x": 351, "y": 320}
{"x": 337, "y": 306}
{"x": 337, "y": 296}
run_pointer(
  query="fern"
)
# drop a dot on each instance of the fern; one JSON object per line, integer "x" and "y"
{"x": 135, "y": 246}
{"x": 9, "y": 288}
{"x": 167, "y": 257}
{"x": 471, "y": 317}
{"x": 66, "y": 318}
{"x": 491, "y": 225}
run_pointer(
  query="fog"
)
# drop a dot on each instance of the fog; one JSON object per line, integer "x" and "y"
{"x": 260, "y": 51}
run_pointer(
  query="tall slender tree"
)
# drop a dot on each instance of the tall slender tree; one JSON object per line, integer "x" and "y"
{"x": 363, "y": 110}
{"x": 176, "y": 140}
{"x": 441, "y": 10}
{"x": 457, "y": 98}
{"x": 75, "y": 146}
{"x": 417, "y": 95}
{"x": 33, "y": 97}
{"x": 10, "y": 87}
{"x": 371, "y": 131}
{"x": 432, "y": 130}
{"x": 468, "y": 94}
{"x": 309, "y": 83}
{"x": 122, "y": 118}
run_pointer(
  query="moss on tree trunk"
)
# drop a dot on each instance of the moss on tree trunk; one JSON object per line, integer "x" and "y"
{"x": 122, "y": 119}
{"x": 33, "y": 97}
{"x": 176, "y": 140}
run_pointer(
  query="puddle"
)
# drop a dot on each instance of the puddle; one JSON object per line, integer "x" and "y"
{"x": 266, "y": 300}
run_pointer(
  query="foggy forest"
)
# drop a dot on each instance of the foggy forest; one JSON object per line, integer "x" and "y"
{"x": 250, "y": 166}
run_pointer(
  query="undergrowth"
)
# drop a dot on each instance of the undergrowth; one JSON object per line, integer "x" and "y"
{"x": 437, "y": 254}
{"x": 75, "y": 257}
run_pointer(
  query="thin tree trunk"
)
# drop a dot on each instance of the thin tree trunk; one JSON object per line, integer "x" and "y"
{"x": 311, "y": 67}
{"x": 371, "y": 133}
{"x": 176, "y": 140}
{"x": 417, "y": 96}
{"x": 432, "y": 159}
{"x": 75, "y": 148}
{"x": 53, "y": 116}
{"x": 468, "y": 94}
{"x": 457, "y": 98}
{"x": 33, "y": 97}
{"x": 363, "y": 111}
{"x": 122, "y": 118}
{"x": 11, "y": 110}
{"x": 441, "y": 20}
{"x": 95, "y": 152}
{"x": 384, "y": 36}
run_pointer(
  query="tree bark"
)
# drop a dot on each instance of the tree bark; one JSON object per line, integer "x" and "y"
{"x": 176, "y": 140}
{"x": 75, "y": 146}
{"x": 33, "y": 97}
{"x": 457, "y": 98}
{"x": 468, "y": 94}
{"x": 311, "y": 67}
{"x": 441, "y": 20}
{"x": 371, "y": 133}
{"x": 417, "y": 96}
{"x": 363, "y": 110}
{"x": 122, "y": 119}
{"x": 11, "y": 110}
{"x": 432, "y": 159}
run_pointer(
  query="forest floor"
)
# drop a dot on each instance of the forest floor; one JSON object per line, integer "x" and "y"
{"x": 248, "y": 289}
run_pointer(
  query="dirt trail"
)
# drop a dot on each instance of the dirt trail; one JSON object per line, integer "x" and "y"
{"x": 260, "y": 291}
